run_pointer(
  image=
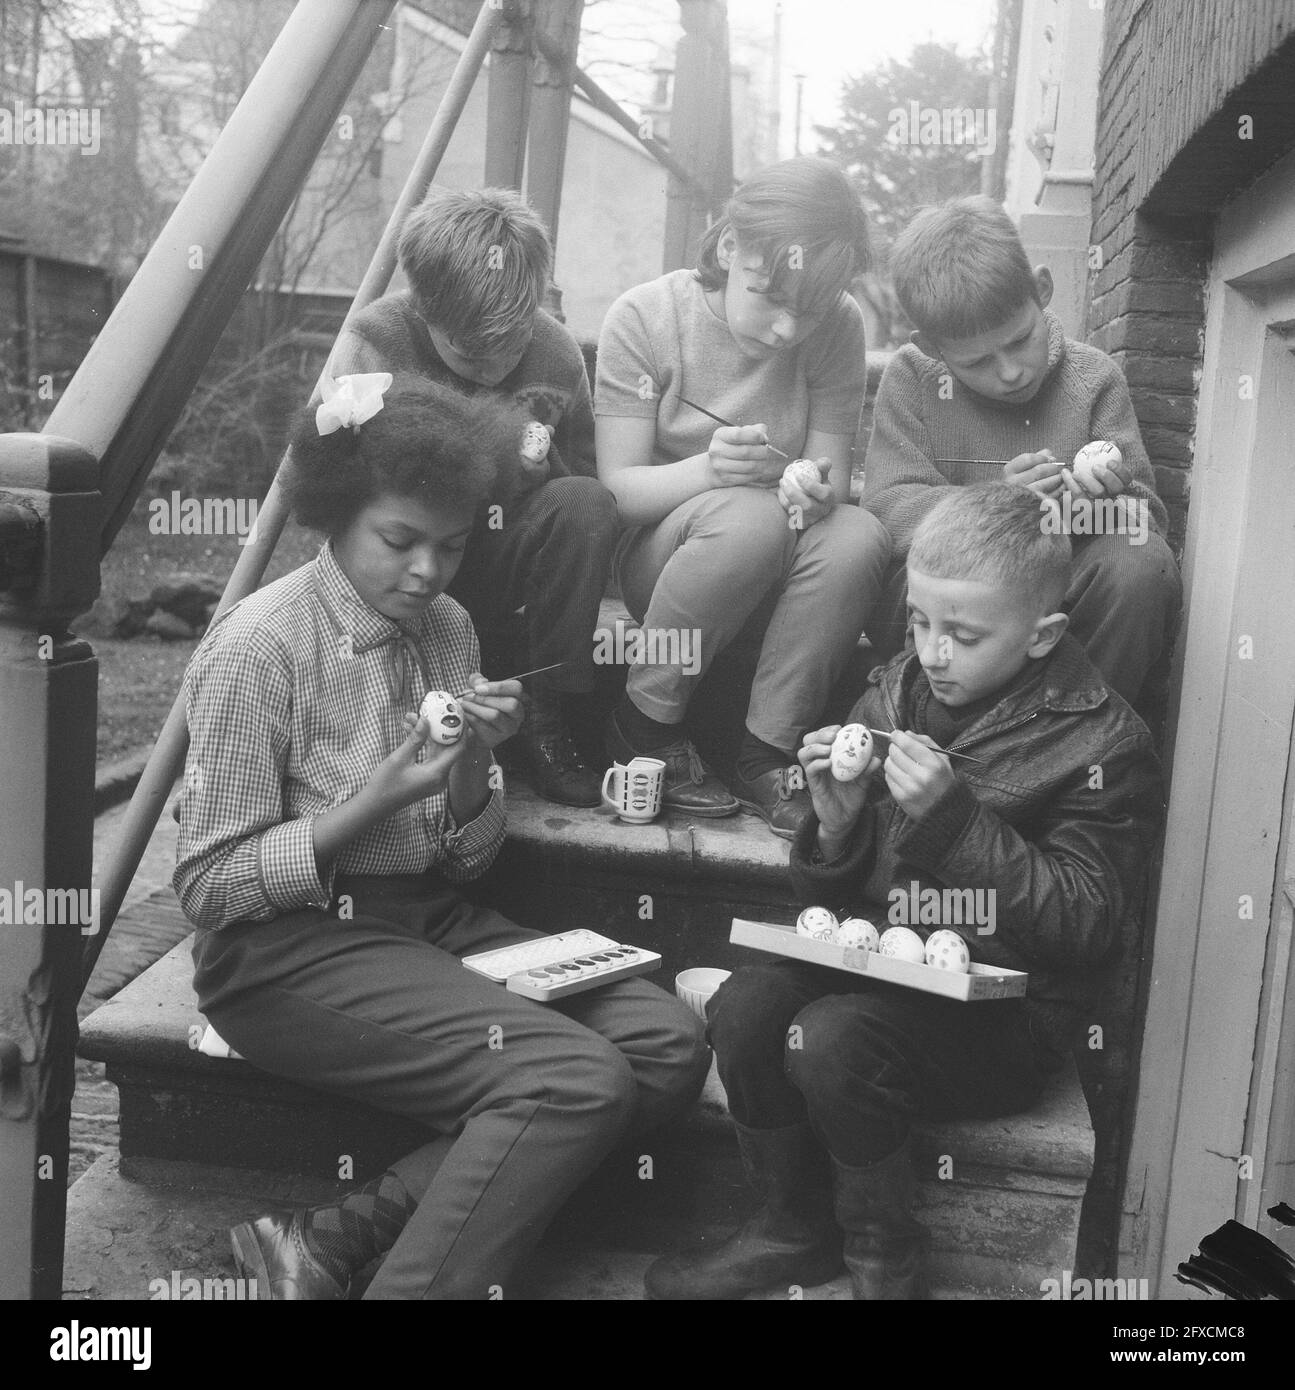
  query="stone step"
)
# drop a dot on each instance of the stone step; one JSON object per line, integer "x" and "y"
{"x": 1001, "y": 1197}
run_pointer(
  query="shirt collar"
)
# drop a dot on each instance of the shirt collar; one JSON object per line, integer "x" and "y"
{"x": 346, "y": 610}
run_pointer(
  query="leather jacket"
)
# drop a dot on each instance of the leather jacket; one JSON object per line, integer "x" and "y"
{"x": 1060, "y": 819}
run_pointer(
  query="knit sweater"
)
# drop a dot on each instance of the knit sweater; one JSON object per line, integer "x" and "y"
{"x": 925, "y": 420}
{"x": 550, "y": 380}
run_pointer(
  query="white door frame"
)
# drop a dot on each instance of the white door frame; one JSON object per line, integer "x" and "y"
{"x": 1212, "y": 1030}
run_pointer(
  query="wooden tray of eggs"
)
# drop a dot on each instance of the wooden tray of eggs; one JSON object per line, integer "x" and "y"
{"x": 941, "y": 964}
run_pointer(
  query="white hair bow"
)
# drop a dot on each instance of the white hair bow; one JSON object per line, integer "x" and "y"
{"x": 350, "y": 400}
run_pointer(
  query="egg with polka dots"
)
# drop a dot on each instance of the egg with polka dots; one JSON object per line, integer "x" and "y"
{"x": 802, "y": 472}
{"x": 857, "y": 934}
{"x": 445, "y": 715}
{"x": 946, "y": 950}
{"x": 817, "y": 922}
{"x": 535, "y": 443}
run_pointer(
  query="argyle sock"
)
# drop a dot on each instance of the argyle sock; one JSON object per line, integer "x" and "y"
{"x": 755, "y": 757}
{"x": 365, "y": 1224}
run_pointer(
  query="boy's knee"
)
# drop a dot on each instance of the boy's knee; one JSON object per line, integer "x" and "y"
{"x": 750, "y": 1011}
{"x": 584, "y": 507}
{"x": 825, "y": 1033}
{"x": 1144, "y": 576}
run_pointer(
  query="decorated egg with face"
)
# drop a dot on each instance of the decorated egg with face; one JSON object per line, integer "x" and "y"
{"x": 946, "y": 950}
{"x": 858, "y": 934}
{"x": 444, "y": 713}
{"x": 535, "y": 443}
{"x": 817, "y": 922}
{"x": 851, "y": 751}
{"x": 802, "y": 471}
{"x": 1093, "y": 461}
{"x": 902, "y": 943}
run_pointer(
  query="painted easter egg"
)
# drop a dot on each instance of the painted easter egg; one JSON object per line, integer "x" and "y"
{"x": 801, "y": 472}
{"x": 535, "y": 443}
{"x": 852, "y": 750}
{"x": 946, "y": 950}
{"x": 442, "y": 712}
{"x": 902, "y": 943}
{"x": 858, "y": 934}
{"x": 1093, "y": 461}
{"x": 817, "y": 922}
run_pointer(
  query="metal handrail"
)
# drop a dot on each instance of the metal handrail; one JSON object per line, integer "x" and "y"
{"x": 167, "y": 758}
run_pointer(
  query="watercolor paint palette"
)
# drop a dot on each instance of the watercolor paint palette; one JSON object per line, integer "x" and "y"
{"x": 570, "y": 962}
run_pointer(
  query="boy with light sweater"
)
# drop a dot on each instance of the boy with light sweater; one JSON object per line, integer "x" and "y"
{"x": 991, "y": 389}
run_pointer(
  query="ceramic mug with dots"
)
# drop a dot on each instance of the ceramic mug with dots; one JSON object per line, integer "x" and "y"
{"x": 633, "y": 790}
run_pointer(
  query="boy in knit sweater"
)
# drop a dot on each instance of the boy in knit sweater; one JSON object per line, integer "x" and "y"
{"x": 477, "y": 263}
{"x": 991, "y": 389}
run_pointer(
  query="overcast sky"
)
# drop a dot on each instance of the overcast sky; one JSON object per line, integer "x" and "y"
{"x": 827, "y": 40}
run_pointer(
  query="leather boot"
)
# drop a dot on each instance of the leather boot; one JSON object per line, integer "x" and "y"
{"x": 885, "y": 1246}
{"x": 792, "y": 1239}
{"x": 544, "y": 744}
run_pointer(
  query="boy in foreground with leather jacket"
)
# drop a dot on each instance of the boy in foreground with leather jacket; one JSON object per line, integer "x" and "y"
{"x": 826, "y": 1072}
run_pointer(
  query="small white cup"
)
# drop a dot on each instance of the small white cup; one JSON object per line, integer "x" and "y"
{"x": 633, "y": 790}
{"x": 695, "y": 987}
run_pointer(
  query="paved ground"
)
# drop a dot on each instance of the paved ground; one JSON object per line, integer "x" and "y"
{"x": 150, "y": 924}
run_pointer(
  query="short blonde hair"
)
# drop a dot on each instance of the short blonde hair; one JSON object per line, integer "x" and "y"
{"x": 960, "y": 269}
{"x": 994, "y": 533}
{"x": 477, "y": 263}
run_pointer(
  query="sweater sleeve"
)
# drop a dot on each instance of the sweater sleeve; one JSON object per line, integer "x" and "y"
{"x": 1113, "y": 418}
{"x": 900, "y": 480}
{"x": 573, "y": 437}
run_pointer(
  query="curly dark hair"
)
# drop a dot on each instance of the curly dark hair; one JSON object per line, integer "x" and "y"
{"x": 429, "y": 441}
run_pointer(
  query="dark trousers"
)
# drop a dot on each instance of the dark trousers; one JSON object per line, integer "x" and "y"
{"x": 1123, "y": 602}
{"x": 861, "y": 1060}
{"x": 551, "y": 553}
{"x": 521, "y": 1100}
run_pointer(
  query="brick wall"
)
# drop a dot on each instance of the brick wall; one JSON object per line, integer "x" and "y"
{"x": 1177, "y": 79}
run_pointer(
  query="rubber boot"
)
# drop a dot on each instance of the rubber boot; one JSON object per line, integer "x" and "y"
{"x": 885, "y": 1246}
{"x": 792, "y": 1239}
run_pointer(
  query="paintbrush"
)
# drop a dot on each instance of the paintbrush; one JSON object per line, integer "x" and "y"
{"x": 720, "y": 420}
{"x": 885, "y": 733}
{"x": 539, "y": 670}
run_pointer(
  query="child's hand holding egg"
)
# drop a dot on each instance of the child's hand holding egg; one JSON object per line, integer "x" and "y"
{"x": 444, "y": 714}
{"x": 1099, "y": 469}
{"x": 536, "y": 440}
{"x": 805, "y": 493}
{"x": 853, "y": 752}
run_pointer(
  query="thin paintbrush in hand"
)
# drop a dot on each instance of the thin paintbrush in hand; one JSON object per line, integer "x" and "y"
{"x": 720, "y": 420}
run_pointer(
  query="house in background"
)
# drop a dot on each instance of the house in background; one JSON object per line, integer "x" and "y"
{"x": 1153, "y": 165}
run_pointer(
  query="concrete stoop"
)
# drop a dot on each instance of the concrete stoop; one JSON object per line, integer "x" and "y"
{"x": 208, "y": 1142}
